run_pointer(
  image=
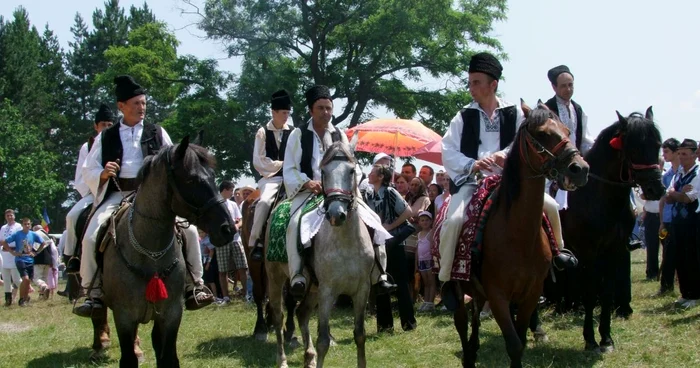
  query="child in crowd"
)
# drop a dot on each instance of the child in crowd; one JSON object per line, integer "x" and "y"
{"x": 424, "y": 260}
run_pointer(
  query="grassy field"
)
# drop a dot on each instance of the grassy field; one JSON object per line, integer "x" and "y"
{"x": 46, "y": 334}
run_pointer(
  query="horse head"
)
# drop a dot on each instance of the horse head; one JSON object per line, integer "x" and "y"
{"x": 544, "y": 146}
{"x": 637, "y": 142}
{"x": 191, "y": 189}
{"x": 339, "y": 182}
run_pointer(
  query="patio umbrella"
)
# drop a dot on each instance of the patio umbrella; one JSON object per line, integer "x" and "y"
{"x": 398, "y": 137}
{"x": 431, "y": 152}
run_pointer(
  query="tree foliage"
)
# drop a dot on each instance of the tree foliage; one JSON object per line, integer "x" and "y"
{"x": 374, "y": 53}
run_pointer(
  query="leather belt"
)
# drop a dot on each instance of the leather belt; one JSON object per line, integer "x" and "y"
{"x": 128, "y": 185}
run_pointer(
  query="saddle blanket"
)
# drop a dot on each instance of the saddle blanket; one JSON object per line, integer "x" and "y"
{"x": 475, "y": 218}
{"x": 310, "y": 224}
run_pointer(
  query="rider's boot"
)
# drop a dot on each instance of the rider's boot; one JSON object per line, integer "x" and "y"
{"x": 197, "y": 296}
{"x": 565, "y": 259}
{"x": 298, "y": 287}
{"x": 383, "y": 286}
{"x": 91, "y": 305}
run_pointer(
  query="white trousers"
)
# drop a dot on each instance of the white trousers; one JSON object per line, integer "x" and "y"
{"x": 268, "y": 190}
{"x": 293, "y": 257}
{"x": 88, "y": 262}
{"x": 71, "y": 238}
{"x": 452, "y": 226}
{"x": 10, "y": 276}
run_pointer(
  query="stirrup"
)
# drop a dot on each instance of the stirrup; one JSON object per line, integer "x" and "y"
{"x": 199, "y": 297}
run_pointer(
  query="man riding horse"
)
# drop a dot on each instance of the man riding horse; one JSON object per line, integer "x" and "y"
{"x": 478, "y": 140}
{"x": 268, "y": 156}
{"x": 302, "y": 180}
{"x": 110, "y": 170}
{"x": 103, "y": 120}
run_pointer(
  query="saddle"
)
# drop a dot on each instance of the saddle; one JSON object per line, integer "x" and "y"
{"x": 279, "y": 221}
{"x": 73, "y": 262}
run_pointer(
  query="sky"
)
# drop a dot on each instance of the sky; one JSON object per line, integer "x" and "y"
{"x": 625, "y": 55}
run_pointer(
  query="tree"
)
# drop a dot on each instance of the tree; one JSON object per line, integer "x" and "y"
{"x": 368, "y": 50}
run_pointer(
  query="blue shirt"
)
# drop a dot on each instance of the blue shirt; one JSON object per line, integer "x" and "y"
{"x": 24, "y": 243}
{"x": 666, "y": 180}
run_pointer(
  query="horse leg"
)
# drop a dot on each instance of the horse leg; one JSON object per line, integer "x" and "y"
{"x": 606, "y": 303}
{"x": 359, "y": 303}
{"x": 137, "y": 348}
{"x": 257, "y": 274}
{"x": 461, "y": 322}
{"x": 525, "y": 311}
{"x": 289, "y": 327}
{"x": 126, "y": 330}
{"x": 474, "y": 345}
{"x": 536, "y": 327}
{"x": 100, "y": 341}
{"x": 303, "y": 312}
{"x": 514, "y": 346}
{"x": 275, "y": 305}
{"x": 164, "y": 337}
{"x": 589, "y": 300}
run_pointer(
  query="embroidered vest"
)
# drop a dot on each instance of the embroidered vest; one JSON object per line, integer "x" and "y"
{"x": 552, "y": 105}
{"x": 471, "y": 118}
{"x": 307, "y": 148}
{"x": 683, "y": 211}
{"x": 112, "y": 149}
{"x": 271, "y": 149}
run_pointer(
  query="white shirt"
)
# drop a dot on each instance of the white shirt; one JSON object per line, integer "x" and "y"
{"x": 6, "y": 231}
{"x": 294, "y": 179}
{"x": 457, "y": 165}
{"x": 236, "y": 215}
{"x": 567, "y": 115}
{"x": 695, "y": 182}
{"x": 266, "y": 166}
{"x": 78, "y": 182}
{"x": 131, "y": 162}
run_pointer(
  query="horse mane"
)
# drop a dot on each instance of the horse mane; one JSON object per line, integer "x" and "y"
{"x": 193, "y": 155}
{"x": 338, "y": 147}
{"x": 635, "y": 134}
{"x": 510, "y": 183}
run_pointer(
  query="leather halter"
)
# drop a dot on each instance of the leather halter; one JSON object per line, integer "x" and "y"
{"x": 195, "y": 213}
{"x": 337, "y": 194}
{"x": 553, "y": 163}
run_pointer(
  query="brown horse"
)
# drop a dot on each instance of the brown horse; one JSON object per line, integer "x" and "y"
{"x": 514, "y": 236}
{"x": 263, "y": 322}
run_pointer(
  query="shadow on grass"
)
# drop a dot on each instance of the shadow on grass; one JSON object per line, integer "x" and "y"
{"x": 493, "y": 354}
{"x": 665, "y": 308}
{"x": 246, "y": 348}
{"x": 686, "y": 320}
{"x": 76, "y": 357}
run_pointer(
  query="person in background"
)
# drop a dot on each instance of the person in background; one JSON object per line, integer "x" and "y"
{"x": 424, "y": 261}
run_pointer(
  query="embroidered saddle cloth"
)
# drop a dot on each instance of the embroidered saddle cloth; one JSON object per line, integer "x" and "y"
{"x": 475, "y": 219}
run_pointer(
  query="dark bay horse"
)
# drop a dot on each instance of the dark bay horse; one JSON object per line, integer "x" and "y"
{"x": 178, "y": 181}
{"x": 516, "y": 251}
{"x": 263, "y": 321}
{"x": 599, "y": 219}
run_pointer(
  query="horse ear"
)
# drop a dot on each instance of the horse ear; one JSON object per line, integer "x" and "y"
{"x": 353, "y": 141}
{"x": 622, "y": 120}
{"x": 182, "y": 147}
{"x": 199, "y": 139}
{"x": 526, "y": 109}
{"x": 649, "y": 114}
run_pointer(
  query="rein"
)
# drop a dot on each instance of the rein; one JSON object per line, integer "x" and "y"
{"x": 631, "y": 168}
{"x": 338, "y": 194}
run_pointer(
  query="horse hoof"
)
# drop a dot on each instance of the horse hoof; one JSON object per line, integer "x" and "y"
{"x": 261, "y": 337}
{"x": 607, "y": 349}
{"x": 333, "y": 343}
{"x": 592, "y": 347}
{"x": 294, "y": 343}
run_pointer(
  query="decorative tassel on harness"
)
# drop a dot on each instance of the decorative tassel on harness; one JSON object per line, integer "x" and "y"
{"x": 155, "y": 290}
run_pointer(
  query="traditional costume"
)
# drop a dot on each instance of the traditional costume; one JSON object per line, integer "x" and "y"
{"x": 128, "y": 146}
{"x": 302, "y": 161}
{"x": 268, "y": 156}
{"x": 70, "y": 242}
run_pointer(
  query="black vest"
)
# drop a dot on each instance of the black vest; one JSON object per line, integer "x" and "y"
{"x": 271, "y": 149}
{"x": 307, "y": 148}
{"x": 112, "y": 149}
{"x": 552, "y": 105}
{"x": 471, "y": 118}
{"x": 90, "y": 142}
{"x": 685, "y": 212}
{"x": 44, "y": 257}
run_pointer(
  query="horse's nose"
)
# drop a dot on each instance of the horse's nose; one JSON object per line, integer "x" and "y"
{"x": 575, "y": 168}
{"x": 342, "y": 216}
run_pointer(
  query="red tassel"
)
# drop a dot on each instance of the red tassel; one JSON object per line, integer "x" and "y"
{"x": 155, "y": 290}
{"x": 616, "y": 143}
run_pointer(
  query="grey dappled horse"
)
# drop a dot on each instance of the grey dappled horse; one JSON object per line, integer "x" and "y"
{"x": 178, "y": 181}
{"x": 342, "y": 258}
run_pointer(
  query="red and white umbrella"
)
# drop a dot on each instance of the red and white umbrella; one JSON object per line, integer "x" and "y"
{"x": 396, "y": 137}
{"x": 431, "y": 152}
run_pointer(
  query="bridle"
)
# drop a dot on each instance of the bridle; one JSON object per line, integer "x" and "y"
{"x": 632, "y": 170}
{"x": 338, "y": 194}
{"x": 194, "y": 213}
{"x": 552, "y": 163}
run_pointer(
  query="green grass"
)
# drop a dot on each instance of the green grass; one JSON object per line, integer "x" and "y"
{"x": 46, "y": 334}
